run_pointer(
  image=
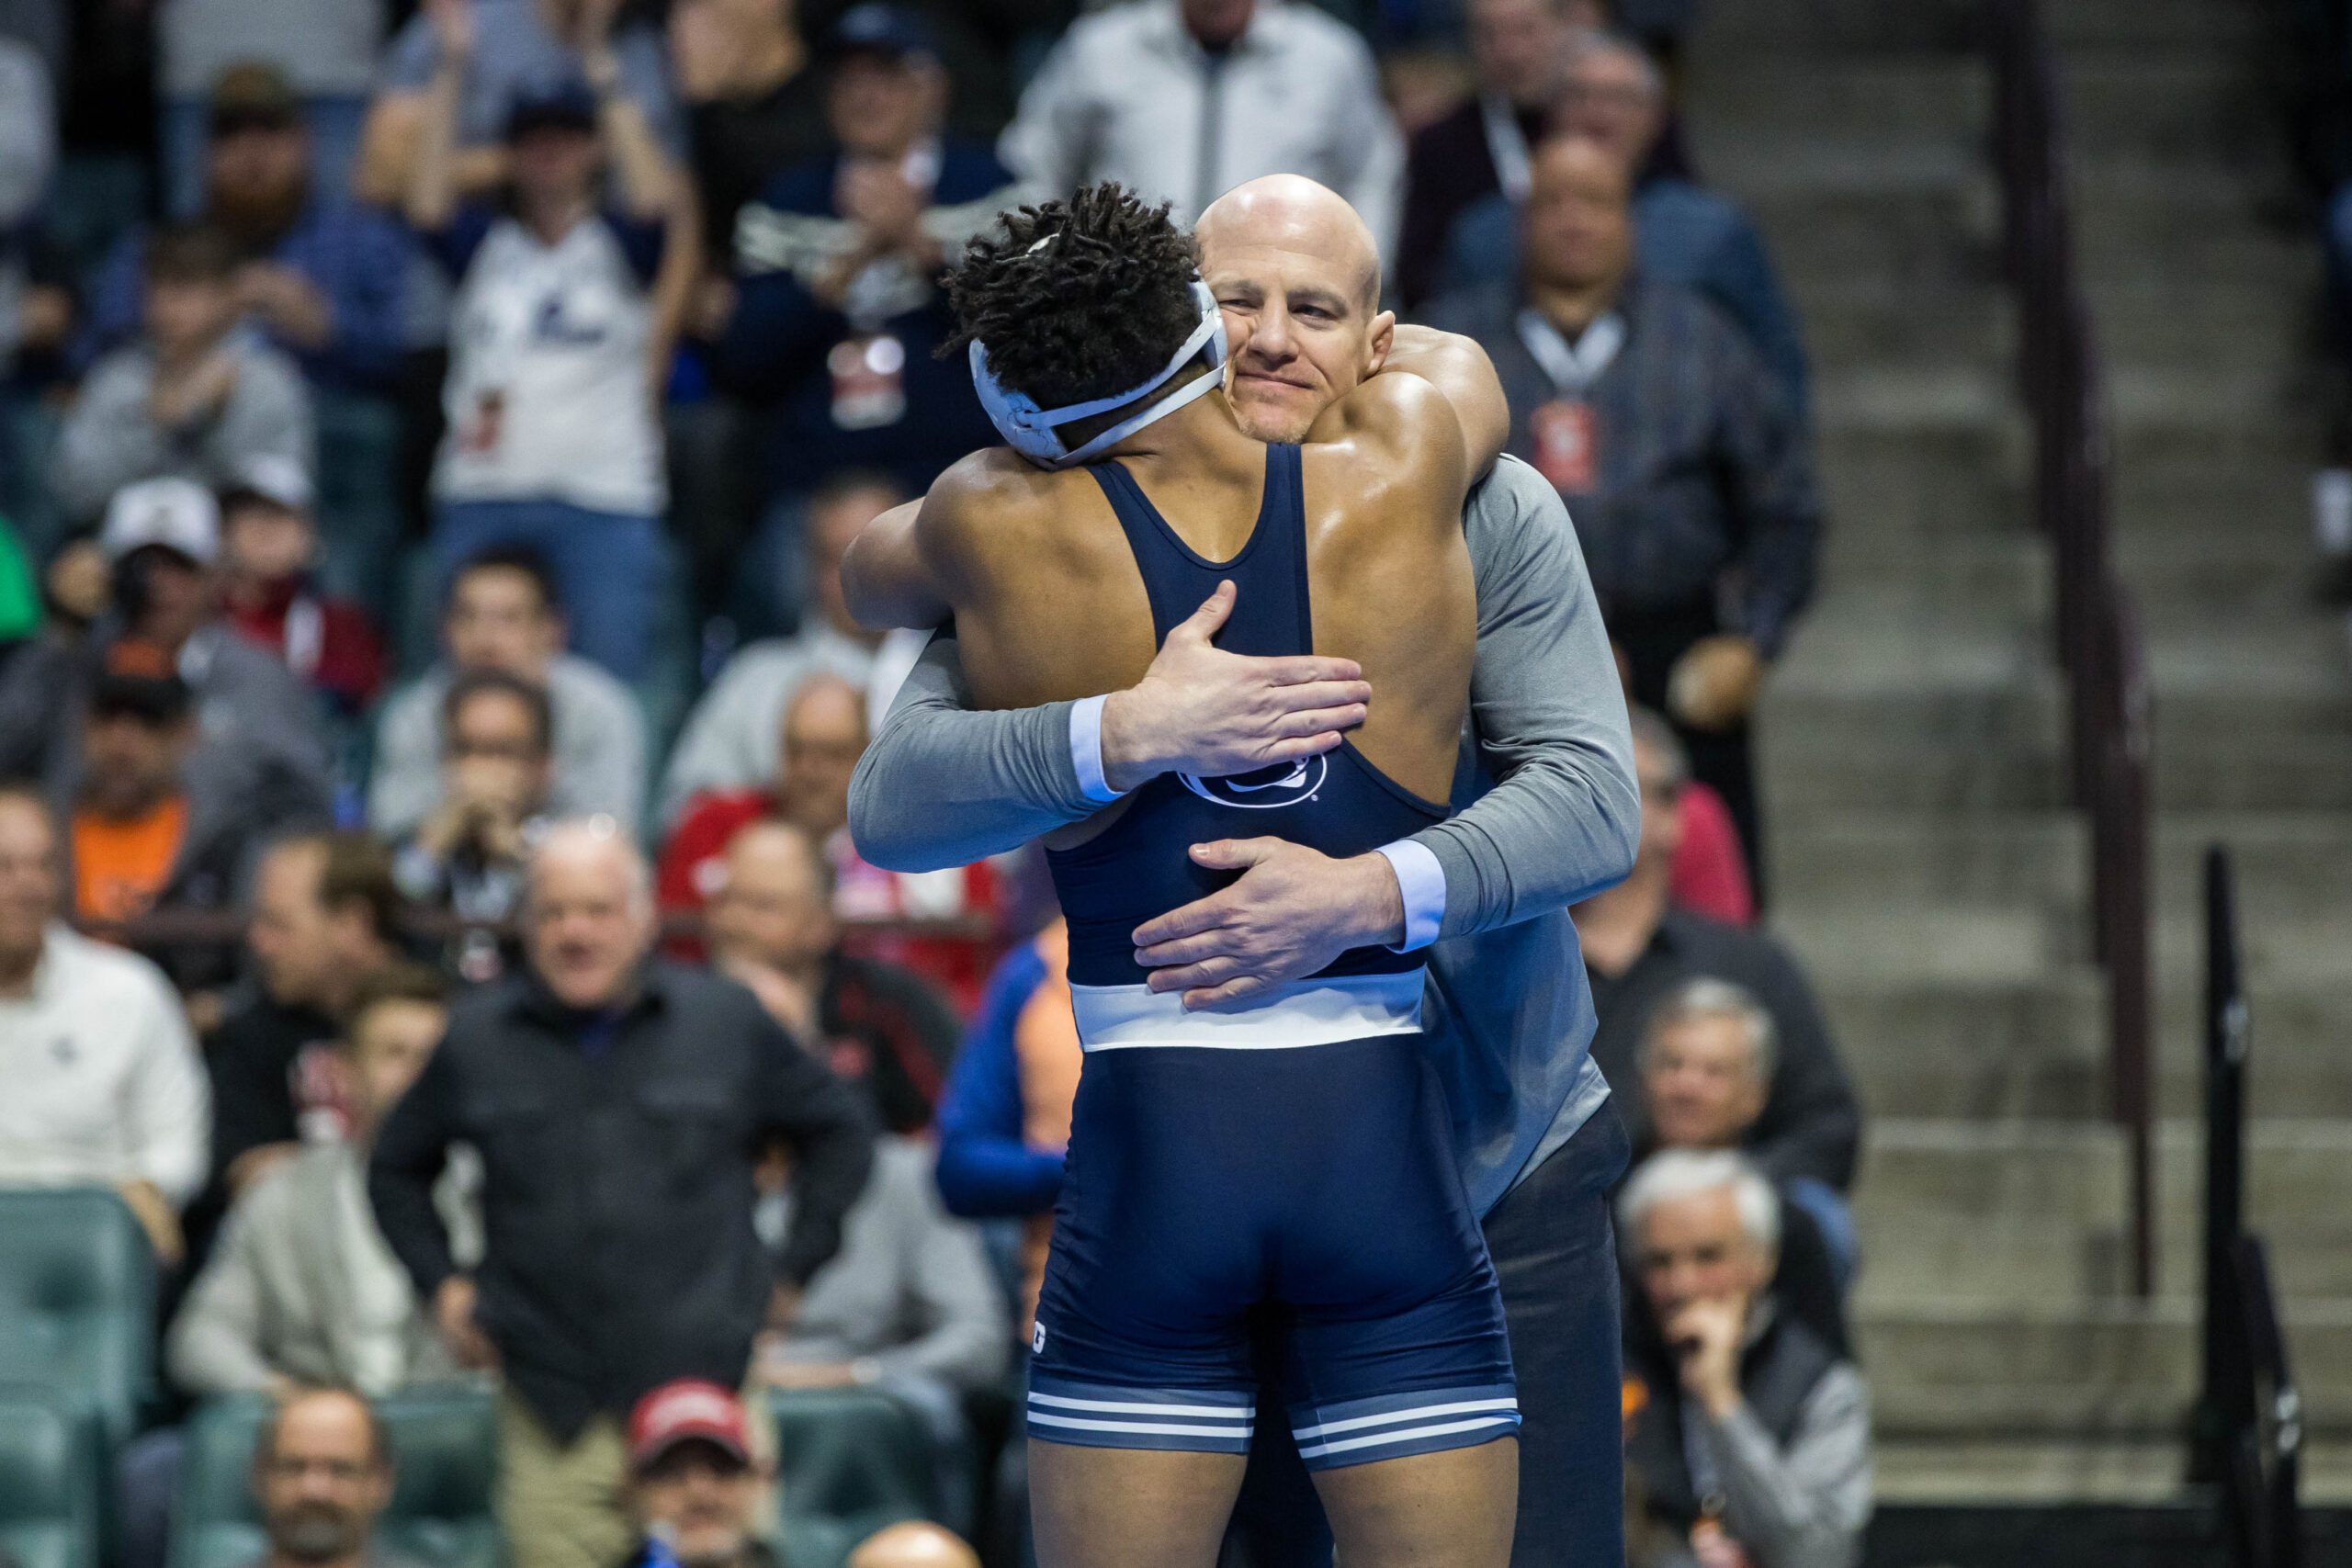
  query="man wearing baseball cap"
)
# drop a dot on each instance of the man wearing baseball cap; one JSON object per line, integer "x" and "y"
{"x": 696, "y": 1487}
{"x": 161, "y": 540}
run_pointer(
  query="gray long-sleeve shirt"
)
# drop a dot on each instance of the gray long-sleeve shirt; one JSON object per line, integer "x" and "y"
{"x": 112, "y": 438}
{"x": 1801, "y": 1505}
{"x": 1510, "y": 1015}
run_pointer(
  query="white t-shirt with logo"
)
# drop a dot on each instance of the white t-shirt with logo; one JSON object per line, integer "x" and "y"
{"x": 547, "y": 396}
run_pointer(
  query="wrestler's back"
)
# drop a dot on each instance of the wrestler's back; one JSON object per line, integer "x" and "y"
{"x": 1050, "y": 603}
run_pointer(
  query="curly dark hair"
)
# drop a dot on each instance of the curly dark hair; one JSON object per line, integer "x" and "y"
{"x": 1079, "y": 300}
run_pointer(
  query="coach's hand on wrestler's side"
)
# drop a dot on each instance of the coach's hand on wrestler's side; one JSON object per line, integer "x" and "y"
{"x": 1293, "y": 911}
{"x": 1203, "y": 711}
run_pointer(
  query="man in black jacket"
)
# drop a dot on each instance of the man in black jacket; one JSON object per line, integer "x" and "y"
{"x": 1638, "y": 951}
{"x": 620, "y": 1105}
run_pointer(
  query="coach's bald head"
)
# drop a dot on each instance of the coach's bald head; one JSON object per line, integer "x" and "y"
{"x": 1298, "y": 275}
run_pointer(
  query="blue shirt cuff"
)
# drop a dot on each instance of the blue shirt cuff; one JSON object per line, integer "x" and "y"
{"x": 1421, "y": 880}
{"x": 1086, "y": 750}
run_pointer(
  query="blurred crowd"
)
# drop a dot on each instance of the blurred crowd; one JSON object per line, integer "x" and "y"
{"x": 429, "y": 434}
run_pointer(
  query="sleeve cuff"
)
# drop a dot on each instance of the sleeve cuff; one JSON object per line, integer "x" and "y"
{"x": 1422, "y": 882}
{"x": 1086, "y": 750}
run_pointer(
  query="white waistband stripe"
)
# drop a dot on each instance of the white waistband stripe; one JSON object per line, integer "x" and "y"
{"x": 1305, "y": 1012}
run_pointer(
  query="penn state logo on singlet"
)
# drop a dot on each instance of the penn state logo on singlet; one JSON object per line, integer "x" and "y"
{"x": 1262, "y": 789}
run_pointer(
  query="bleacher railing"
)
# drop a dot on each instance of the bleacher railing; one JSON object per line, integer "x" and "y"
{"x": 2245, "y": 1434}
{"x": 2099, "y": 647}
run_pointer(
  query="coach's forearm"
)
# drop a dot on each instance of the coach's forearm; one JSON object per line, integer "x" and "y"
{"x": 1549, "y": 715}
{"x": 942, "y": 785}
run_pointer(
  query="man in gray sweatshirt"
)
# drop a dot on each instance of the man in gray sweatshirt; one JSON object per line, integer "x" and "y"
{"x": 1553, "y": 816}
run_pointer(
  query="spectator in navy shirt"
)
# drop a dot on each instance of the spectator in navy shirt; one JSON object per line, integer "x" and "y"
{"x": 838, "y": 312}
{"x": 559, "y": 334}
{"x": 1683, "y": 233}
{"x": 322, "y": 277}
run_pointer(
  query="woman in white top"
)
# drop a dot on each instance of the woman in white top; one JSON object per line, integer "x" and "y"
{"x": 559, "y": 335}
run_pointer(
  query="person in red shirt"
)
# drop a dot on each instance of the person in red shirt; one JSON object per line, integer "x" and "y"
{"x": 824, "y": 735}
{"x": 268, "y": 542}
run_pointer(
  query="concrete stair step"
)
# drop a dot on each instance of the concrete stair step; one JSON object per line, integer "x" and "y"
{"x": 2187, "y": 101}
{"x": 2217, "y": 23}
{"x": 1832, "y": 27}
{"x": 2034, "y": 1213}
{"x": 1940, "y": 96}
{"x": 2112, "y": 1370}
{"x": 2145, "y": 1471}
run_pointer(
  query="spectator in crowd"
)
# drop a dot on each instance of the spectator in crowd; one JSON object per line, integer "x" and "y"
{"x": 323, "y": 1474}
{"x": 321, "y": 278}
{"x": 324, "y": 928}
{"x": 503, "y": 614}
{"x": 696, "y": 1480}
{"x": 838, "y": 317}
{"x": 156, "y": 559}
{"x": 197, "y": 395}
{"x": 1519, "y": 49}
{"x": 618, "y": 1103}
{"x": 322, "y": 55}
{"x": 1184, "y": 99}
{"x": 753, "y": 106}
{"x": 505, "y": 53}
{"x": 823, "y": 734}
{"x": 1707, "y": 1068}
{"x": 470, "y": 855}
{"x": 1638, "y": 949}
{"x": 269, "y": 545}
{"x": 908, "y": 1300}
{"x": 1616, "y": 97}
{"x": 105, "y": 1087}
{"x": 730, "y": 739}
{"x": 771, "y": 928}
{"x": 1004, "y": 1120}
{"x": 161, "y": 820}
{"x": 559, "y": 335}
{"x": 36, "y": 312}
{"x": 1753, "y": 1432}
{"x": 302, "y": 1288}
{"x": 1674, "y": 447}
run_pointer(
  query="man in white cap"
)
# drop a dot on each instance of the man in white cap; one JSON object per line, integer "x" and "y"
{"x": 161, "y": 540}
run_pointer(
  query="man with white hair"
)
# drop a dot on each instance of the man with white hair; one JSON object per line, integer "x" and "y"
{"x": 619, "y": 1104}
{"x": 1749, "y": 1435}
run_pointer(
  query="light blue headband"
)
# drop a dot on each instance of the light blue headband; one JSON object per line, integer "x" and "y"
{"x": 1029, "y": 429}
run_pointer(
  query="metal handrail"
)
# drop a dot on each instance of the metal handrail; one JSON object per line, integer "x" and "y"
{"x": 2098, "y": 643}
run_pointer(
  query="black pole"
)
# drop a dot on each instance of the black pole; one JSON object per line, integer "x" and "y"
{"x": 2223, "y": 1403}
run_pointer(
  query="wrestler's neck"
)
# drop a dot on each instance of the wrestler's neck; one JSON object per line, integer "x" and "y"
{"x": 1572, "y": 307}
{"x": 1202, "y": 431}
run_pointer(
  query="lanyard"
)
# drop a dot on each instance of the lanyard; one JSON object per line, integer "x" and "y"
{"x": 1573, "y": 368}
{"x": 1507, "y": 145}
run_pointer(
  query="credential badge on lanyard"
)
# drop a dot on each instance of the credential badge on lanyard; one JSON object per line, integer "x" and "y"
{"x": 869, "y": 381}
{"x": 1565, "y": 432}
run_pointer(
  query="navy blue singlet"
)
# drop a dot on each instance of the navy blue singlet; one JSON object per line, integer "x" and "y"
{"x": 1336, "y": 803}
{"x": 1276, "y": 1179}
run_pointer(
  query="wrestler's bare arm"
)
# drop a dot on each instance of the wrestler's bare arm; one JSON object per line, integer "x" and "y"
{"x": 1463, "y": 375}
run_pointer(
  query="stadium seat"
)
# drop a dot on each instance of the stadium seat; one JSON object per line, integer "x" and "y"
{"x": 445, "y": 1439}
{"x": 49, "y": 1483}
{"x": 849, "y": 1461}
{"x": 78, "y": 1303}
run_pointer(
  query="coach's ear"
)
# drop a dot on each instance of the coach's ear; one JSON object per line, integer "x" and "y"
{"x": 1379, "y": 342}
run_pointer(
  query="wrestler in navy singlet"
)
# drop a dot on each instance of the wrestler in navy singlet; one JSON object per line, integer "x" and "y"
{"x": 1282, "y": 1168}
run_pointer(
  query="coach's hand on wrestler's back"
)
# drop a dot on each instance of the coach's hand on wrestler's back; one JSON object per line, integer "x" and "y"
{"x": 1203, "y": 711}
{"x": 1716, "y": 681}
{"x": 1293, "y": 910}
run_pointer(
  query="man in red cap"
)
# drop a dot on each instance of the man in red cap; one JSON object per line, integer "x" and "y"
{"x": 696, "y": 1484}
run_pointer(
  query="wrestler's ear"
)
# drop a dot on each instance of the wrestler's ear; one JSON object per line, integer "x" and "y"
{"x": 1379, "y": 341}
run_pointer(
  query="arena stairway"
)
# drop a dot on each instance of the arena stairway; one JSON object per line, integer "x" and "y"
{"x": 1926, "y": 866}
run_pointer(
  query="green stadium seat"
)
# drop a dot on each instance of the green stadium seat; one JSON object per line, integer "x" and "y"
{"x": 849, "y": 1462}
{"x": 49, "y": 1483}
{"x": 78, "y": 1303}
{"x": 445, "y": 1439}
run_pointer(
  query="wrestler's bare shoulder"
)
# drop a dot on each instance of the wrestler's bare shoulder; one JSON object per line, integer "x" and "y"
{"x": 988, "y": 500}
